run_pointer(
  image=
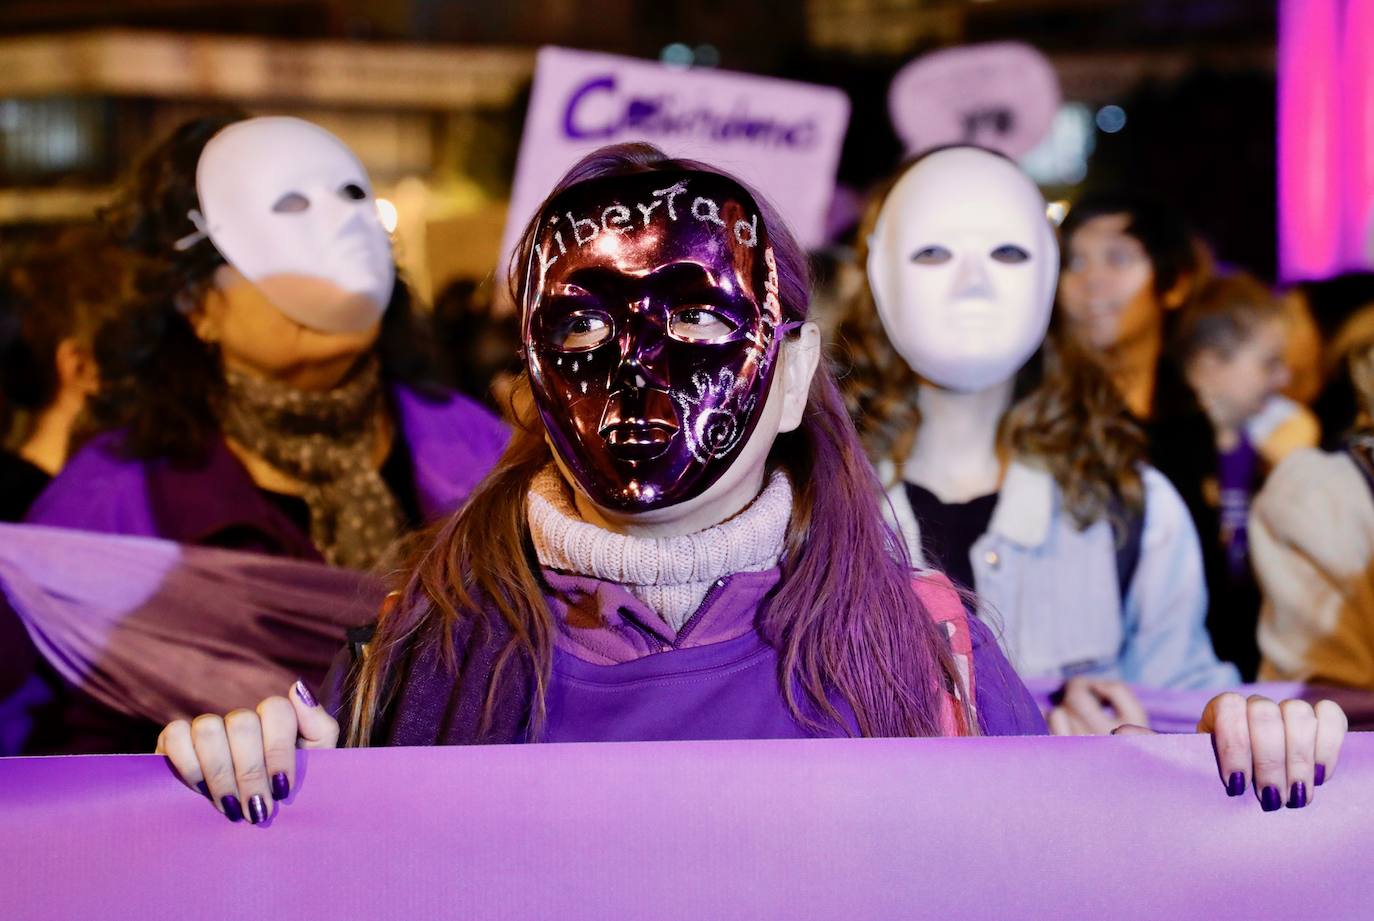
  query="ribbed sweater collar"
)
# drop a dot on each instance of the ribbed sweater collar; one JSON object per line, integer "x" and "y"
{"x": 669, "y": 574}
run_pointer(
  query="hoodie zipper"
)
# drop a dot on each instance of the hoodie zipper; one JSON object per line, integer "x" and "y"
{"x": 690, "y": 625}
{"x": 660, "y": 645}
{"x": 656, "y": 643}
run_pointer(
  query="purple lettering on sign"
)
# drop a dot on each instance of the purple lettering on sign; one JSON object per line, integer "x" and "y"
{"x": 570, "y": 128}
{"x": 656, "y": 116}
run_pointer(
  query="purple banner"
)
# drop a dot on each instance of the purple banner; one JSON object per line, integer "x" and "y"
{"x": 1116, "y": 828}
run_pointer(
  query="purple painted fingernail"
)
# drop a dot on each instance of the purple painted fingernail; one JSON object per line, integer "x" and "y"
{"x": 204, "y": 789}
{"x": 1319, "y": 775}
{"x": 232, "y": 810}
{"x": 304, "y": 694}
{"x": 1235, "y": 786}
{"x": 257, "y": 809}
{"x": 1297, "y": 797}
{"x": 1270, "y": 800}
{"x": 281, "y": 787}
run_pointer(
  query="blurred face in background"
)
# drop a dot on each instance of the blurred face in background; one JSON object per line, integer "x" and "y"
{"x": 1107, "y": 285}
{"x": 1235, "y": 383}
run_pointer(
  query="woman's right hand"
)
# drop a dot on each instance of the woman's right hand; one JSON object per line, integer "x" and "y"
{"x": 248, "y": 757}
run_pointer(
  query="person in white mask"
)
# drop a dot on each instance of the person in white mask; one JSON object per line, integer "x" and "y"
{"x": 265, "y": 389}
{"x": 1010, "y": 461}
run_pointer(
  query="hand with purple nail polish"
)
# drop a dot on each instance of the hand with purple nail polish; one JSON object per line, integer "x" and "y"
{"x": 248, "y": 756}
{"x": 1278, "y": 750}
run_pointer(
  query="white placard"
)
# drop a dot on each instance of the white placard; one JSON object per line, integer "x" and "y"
{"x": 781, "y": 137}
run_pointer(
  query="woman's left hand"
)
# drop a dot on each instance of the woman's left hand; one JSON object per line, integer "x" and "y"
{"x": 1279, "y": 750}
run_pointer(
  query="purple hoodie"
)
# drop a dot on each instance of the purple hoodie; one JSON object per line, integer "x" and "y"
{"x": 621, "y": 674}
{"x": 452, "y": 443}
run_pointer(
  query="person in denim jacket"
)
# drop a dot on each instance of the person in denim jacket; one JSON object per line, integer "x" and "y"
{"x": 1010, "y": 462}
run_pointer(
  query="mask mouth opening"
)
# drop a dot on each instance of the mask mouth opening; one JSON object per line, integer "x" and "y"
{"x": 638, "y": 425}
{"x": 630, "y": 441}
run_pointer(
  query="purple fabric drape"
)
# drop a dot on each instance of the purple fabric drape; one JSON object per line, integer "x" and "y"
{"x": 1121, "y": 828}
{"x": 158, "y": 630}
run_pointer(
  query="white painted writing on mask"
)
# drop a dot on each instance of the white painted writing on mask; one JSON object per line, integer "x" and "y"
{"x": 617, "y": 218}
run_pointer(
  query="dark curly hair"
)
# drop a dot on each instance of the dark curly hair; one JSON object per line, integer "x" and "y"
{"x": 1065, "y": 414}
{"x": 46, "y": 299}
{"x": 160, "y": 383}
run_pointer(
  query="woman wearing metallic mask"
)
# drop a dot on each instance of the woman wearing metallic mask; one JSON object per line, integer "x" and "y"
{"x": 1009, "y": 460}
{"x": 254, "y": 395}
{"x": 682, "y": 541}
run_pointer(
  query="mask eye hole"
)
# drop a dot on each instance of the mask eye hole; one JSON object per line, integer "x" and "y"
{"x": 581, "y": 331}
{"x": 931, "y": 255}
{"x": 351, "y": 191}
{"x": 1010, "y": 254}
{"x": 697, "y": 323}
{"x": 291, "y": 203}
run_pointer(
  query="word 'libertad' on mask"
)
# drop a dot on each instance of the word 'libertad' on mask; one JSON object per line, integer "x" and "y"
{"x": 621, "y": 219}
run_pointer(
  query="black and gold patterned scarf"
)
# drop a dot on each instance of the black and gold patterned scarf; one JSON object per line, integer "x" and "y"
{"x": 325, "y": 440}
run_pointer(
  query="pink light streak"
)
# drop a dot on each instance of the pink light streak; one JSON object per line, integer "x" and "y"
{"x": 1325, "y": 137}
{"x": 1309, "y": 162}
{"x": 1357, "y": 137}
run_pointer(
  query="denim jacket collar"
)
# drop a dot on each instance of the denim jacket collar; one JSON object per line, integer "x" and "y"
{"x": 1024, "y": 514}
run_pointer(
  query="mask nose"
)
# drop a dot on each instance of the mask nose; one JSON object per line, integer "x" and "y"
{"x": 643, "y": 344}
{"x": 971, "y": 278}
{"x": 354, "y": 221}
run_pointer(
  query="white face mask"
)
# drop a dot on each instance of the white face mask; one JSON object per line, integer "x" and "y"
{"x": 289, "y": 206}
{"x": 963, "y": 265}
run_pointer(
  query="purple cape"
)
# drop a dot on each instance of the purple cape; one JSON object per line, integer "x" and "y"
{"x": 155, "y": 630}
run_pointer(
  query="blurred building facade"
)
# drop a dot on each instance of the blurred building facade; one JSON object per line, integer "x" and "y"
{"x": 431, "y": 93}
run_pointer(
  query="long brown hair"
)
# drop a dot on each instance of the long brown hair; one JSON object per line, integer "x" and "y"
{"x": 856, "y": 633}
{"x": 1065, "y": 415}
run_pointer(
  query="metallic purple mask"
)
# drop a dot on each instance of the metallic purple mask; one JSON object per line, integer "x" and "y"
{"x": 651, "y": 326}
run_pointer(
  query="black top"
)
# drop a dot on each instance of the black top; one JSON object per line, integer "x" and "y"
{"x": 1182, "y": 446}
{"x": 949, "y": 530}
{"x": 20, "y": 484}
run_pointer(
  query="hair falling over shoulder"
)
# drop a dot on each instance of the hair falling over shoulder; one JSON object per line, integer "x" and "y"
{"x": 1066, "y": 415}
{"x": 846, "y": 635}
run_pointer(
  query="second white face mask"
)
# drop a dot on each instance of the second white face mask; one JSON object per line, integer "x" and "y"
{"x": 963, "y": 265}
{"x": 290, "y": 206}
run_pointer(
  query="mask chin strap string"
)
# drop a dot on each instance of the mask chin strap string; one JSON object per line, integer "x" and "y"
{"x": 191, "y": 239}
{"x": 790, "y": 326}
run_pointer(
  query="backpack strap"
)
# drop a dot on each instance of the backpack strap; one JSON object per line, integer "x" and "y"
{"x": 945, "y": 606}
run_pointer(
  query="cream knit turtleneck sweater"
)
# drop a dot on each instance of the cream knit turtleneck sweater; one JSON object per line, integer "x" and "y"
{"x": 669, "y": 574}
